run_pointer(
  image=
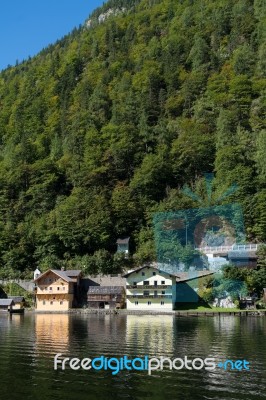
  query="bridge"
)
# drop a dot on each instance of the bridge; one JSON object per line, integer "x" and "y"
{"x": 222, "y": 250}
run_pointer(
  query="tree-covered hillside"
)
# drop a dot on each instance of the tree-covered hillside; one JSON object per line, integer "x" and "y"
{"x": 103, "y": 128}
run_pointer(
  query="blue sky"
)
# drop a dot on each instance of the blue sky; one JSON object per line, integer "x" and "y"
{"x": 27, "y": 26}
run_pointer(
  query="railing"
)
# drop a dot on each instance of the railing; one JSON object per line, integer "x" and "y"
{"x": 149, "y": 296}
{"x": 149, "y": 287}
{"x": 54, "y": 291}
{"x": 234, "y": 247}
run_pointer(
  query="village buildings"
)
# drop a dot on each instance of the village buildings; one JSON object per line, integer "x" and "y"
{"x": 57, "y": 290}
{"x": 148, "y": 288}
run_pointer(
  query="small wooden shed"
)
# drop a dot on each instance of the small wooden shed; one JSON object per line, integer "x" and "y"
{"x": 6, "y": 305}
{"x": 108, "y": 297}
{"x": 19, "y": 302}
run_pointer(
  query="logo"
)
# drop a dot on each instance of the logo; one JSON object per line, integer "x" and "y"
{"x": 116, "y": 365}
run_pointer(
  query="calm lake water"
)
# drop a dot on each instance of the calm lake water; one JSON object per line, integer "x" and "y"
{"x": 29, "y": 343}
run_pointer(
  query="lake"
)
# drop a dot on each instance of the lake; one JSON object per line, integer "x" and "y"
{"x": 29, "y": 343}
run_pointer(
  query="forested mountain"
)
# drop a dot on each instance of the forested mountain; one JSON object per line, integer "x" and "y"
{"x": 104, "y": 128}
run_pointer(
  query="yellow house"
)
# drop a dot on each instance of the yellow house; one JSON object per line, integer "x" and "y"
{"x": 148, "y": 288}
{"x": 57, "y": 290}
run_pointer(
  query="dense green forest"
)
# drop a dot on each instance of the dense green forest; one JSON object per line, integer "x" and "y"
{"x": 104, "y": 128}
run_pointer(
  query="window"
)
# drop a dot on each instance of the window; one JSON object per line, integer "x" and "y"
{"x": 163, "y": 291}
{"x": 46, "y": 288}
{"x": 136, "y": 303}
{"x": 162, "y": 282}
{"x": 162, "y": 303}
{"x": 143, "y": 273}
{"x": 146, "y": 283}
{"x": 50, "y": 279}
{"x": 149, "y": 303}
{"x": 134, "y": 283}
{"x": 64, "y": 288}
{"x": 50, "y": 288}
{"x": 155, "y": 283}
{"x": 43, "y": 302}
{"x": 51, "y": 302}
{"x": 154, "y": 273}
{"x": 58, "y": 288}
{"x": 61, "y": 302}
{"x": 146, "y": 292}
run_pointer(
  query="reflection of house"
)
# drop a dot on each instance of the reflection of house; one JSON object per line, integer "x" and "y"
{"x": 19, "y": 302}
{"x": 150, "y": 288}
{"x": 57, "y": 290}
{"x": 6, "y": 304}
{"x": 154, "y": 332}
{"x": 52, "y": 329}
{"x": 106, "y": 297}
{"x": 123, "y": 245}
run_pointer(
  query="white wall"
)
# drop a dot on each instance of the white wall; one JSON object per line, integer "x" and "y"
{"x": 152, "y": 275}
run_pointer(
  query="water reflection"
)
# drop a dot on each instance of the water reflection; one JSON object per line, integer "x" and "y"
{"x": 52, "y": 333}
{"x": 16, "y": 319}
{"x": 28, "y": 345}
{"x": 150, "y": 332}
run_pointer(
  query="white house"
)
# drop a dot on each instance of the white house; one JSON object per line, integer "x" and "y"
{"x": 148, "y": 288}
{"x": 123, "y": 245}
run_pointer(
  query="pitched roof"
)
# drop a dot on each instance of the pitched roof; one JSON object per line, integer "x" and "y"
{"x": 17, "y": 299}
{"x": 65, "y": 275}
{"x": 62, "y": 274}
{"x": 105, "y": 290}
{"x": 73, "y": 272}
{"x": 6, "y": 302}
{"x": 180, "y": 277}
{"x": 190, "y": 275}
{"x": 123, "y": 241}
{"x": 58, "y": 272}
{"x": 152, "y": 267}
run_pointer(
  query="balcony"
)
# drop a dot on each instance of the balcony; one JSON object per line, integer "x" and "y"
{"x": 150, "y": 296}
{"x": 149, "y": 287}
{"x": 54, "y": 290}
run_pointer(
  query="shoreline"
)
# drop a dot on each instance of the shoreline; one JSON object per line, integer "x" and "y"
{"x": 181, "y": 313}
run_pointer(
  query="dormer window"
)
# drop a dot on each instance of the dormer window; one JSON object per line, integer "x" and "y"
{"x": 143, "y": 273}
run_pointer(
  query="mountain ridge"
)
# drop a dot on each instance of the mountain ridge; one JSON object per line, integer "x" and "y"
{"x": 103, "y": 128}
